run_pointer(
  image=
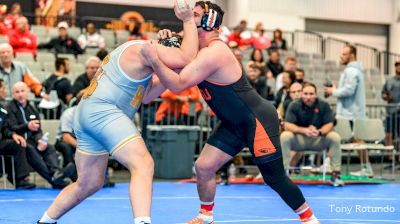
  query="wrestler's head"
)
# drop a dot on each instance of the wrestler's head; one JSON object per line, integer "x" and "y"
{"x": 208, "y": 15}
{"x": 174, "y": 41}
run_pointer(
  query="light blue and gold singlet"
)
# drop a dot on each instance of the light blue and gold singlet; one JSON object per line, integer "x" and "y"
{"x": 103, "y": 119}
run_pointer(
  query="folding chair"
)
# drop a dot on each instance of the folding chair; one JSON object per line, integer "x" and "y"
{"x": 372, "y": 131}
{"x": 3, "y": 170}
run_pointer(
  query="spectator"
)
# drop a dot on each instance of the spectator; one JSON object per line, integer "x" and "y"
{"x": 11, "y": 18}
{"x": 350, "y": 94}
{"x": 257, "y": 58}
{"x": 91, "y": 38}
{"x": 24, "y": 120}
{"x": 63, "y": 44}
{"x": 391, "y": 94}
{"x": 299, "y": 75}
{"x": 274, "y": 65}
{"x": 288, "y": 78}
{"x": 290, "y": 65}
{"x": 295, "y": 93}
{"x": 12, "y": 72}
{"x": 135, "y": 31}
{"x": 3, "y": 27}
{"x": 278, "y": 42}
{"x": 234, "y": 39}
{"x": 309, "y": 126}
{"x": 58, "y": 82}
{"x": 170, "y": 111}
{"x": 101, "y": 54}
{"x": 21, "y": 39}
{"x": 13, "y": 144}
{"x": 259, "y": 40}
{"x": 257, "y": 79}
{"x": 92, "y": 65}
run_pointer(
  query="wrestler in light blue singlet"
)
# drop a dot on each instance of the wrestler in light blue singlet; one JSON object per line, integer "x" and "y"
{"x": 103, "y": 119}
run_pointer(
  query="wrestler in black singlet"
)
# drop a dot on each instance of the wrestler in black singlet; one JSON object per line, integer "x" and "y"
{"x": 247, "y": 120}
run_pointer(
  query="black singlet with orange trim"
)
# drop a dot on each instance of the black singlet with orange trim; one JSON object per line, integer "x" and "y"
{"x": 247, "y": 120}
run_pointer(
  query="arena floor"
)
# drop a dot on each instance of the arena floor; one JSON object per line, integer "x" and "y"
{"x": 177, "y": 203}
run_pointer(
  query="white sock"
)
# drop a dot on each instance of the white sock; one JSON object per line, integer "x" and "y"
{"x": 47, "y": 219}
{"x": 142, "y": 220}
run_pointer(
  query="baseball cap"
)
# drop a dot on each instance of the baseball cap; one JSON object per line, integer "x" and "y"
{"x": 62, "y": 24}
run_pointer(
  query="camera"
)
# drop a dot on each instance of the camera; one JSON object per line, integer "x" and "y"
{"x": 327, "y": 83}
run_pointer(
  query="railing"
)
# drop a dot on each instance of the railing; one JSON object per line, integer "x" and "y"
{"x": 387, "y": 60}
{"x": 333, "y": 48}
{"x": 308, "y": 42}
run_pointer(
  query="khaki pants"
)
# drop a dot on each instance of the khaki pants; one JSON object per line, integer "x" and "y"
{"x": 299, "y": 142}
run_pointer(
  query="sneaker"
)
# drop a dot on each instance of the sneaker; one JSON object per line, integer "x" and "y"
{"x": 364, "y": 172}
{"x": 311, "y": 220}
{"x": 204, "y": 217}
{"x": 24, "y": 184}
{"x": 224, "y": 179}
{"x": 336, "y": 181}
{"x": 45, "y": 222}
{"x": 68, "y": 171}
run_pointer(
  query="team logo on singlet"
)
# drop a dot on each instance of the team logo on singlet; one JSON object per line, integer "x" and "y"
{"x": 137, "y": 100}
{"x": 205, "y": 94}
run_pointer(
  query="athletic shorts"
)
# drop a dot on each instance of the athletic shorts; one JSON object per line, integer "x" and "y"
{"x": 102, "y": 128}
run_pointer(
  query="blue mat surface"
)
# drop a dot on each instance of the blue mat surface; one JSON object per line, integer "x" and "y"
{"x": 177, "y": 203}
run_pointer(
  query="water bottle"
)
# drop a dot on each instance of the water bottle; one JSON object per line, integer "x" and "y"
{"x": 45, "y": 137}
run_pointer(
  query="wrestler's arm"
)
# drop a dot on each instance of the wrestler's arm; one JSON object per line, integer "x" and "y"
{"x": 180, "y": 57}
{"x": 154, "y": 90}
{"x": 198, "y": 70}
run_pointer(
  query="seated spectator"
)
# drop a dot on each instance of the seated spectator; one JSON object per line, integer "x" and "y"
{"x": 13, "y": 144}
{"x": 274, "y": 64}
{"x": 288, "y": 78}
{"x": 234, "y": 39}
{"x": 295, "y": 92}
{"x": 259, "y": 39}
{"x": 11, "y": 18}
{"x": 21, "y": 39}
{"x": 12, "y": 72}
{"x": 101, "y": 54}
{"x": 92, "y": 65}
{"x": 257, "y": 58}
{"x": 299, "y": 75}
{"x": 91, "y": 38}
{"x": 169, "y": 112}
{"x": 257, "y": 79}
{"x": 63, "y": 44}
{"x": 58, "y": 82}
{"x": 309, "y": 126}
{"x": 278, "y": 42}
{"x": 24, "y": 120}
{"x": 3, "y": 27}
{"x": 66, "y": 142}
{"x": 290, "y": 65}
{"x": 135, "y": 31}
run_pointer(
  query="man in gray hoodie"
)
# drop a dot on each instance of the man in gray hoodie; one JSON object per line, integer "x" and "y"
{"x": 350, "y": 94}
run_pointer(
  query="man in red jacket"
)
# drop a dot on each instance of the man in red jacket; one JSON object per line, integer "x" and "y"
{"x": 21, "y": 39}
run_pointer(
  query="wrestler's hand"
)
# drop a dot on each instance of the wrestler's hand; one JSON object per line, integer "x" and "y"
{"x": 183, "y": 13}
{"x": 149, "y": 52}
{"x": 163, "y": 34}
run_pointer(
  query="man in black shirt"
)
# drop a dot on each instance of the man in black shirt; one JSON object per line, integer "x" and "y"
{"x": 63, "y": 44}
{"x": 13, "y": 144}
{"x": 58, "y": 82}
{"x": 308, "y": 125}
{"x": 274, "y": 64}
{"x": 83, "y": 81}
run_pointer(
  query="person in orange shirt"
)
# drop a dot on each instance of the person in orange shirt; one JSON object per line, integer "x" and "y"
{"x": 191, "y": 109}
{"x": 170, "y": 111}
